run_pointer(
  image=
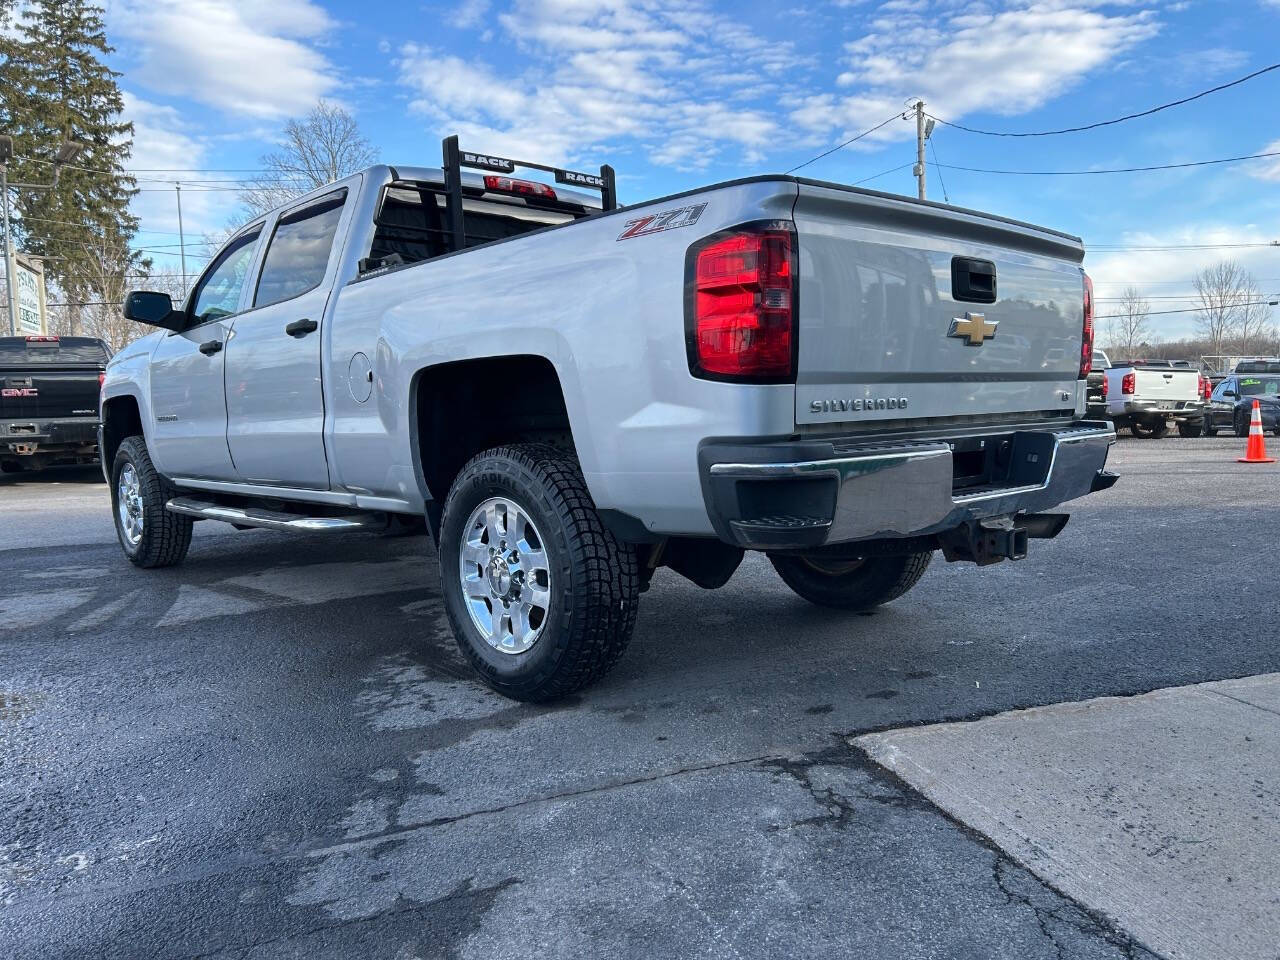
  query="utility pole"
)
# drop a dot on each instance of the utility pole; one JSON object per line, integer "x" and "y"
{"x": 8, "y": 251}
{"x": 920, "y": 138}
{"x": 182, "y": 240}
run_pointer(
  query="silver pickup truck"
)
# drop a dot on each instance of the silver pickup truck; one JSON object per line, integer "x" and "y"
{"x": 571, "y": 395}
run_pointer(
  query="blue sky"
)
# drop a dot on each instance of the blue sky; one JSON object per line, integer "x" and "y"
{"x": 678, "y": 93}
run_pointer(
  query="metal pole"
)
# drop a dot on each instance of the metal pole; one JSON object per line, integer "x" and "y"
{"x": 8, "y": 253}
{"x": 182, "y": 240}
{"x": 920, "y": 147}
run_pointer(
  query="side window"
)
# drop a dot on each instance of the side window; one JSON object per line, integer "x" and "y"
{"x": 219, "y": 292}
{"x": 299, "y": 252}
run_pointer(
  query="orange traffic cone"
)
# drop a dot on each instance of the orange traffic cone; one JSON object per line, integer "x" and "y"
{"x": 1256, "y": 451}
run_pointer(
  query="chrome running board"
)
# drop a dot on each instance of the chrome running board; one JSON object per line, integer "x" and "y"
{"x": 274, "y": 519}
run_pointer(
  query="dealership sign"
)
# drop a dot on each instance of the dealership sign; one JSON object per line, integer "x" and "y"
{"x": 30, "y": 294}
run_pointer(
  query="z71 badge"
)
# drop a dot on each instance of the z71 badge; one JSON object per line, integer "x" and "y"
{"x": 667, "y": 220}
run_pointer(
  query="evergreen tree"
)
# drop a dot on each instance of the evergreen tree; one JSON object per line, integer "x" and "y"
{"x": 60, "y": 89}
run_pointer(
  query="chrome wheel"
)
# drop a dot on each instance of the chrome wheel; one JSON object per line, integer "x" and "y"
{"x": 129, "y": 504}
{"x": 506, "y": 580}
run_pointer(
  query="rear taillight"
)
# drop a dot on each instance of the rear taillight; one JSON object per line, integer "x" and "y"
{"x": 1104, "y": 386}
{"x": 1206, "y": 388}
{"x": 527, "y": 187}
{"x": 1129, "y": 383}
{"x": 741, "y": 306}
{"x": 1086, "y": 346}
{"x": 102, "y": 378}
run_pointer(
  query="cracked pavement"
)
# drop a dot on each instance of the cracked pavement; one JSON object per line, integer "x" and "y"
{"x": 275, "y": 751}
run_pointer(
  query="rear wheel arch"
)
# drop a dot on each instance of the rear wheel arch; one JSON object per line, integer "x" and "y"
{"x": 460, "y": 408}
{"x": 121, "y": 418}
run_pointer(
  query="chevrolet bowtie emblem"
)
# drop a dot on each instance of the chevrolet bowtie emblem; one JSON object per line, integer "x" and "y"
{"x": 975, "y": 328}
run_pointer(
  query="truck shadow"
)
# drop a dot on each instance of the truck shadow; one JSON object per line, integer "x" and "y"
{"x": 80, "y": 474}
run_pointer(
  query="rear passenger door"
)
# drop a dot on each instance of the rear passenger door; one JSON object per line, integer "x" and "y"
{"x": 275, "y": 398}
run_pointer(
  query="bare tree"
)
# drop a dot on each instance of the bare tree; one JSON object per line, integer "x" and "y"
{"x": 1230, "y": 307}
{"x": 323, "y": 146}
{"x": 1131, "y": 323}
{"x": 109, "y": 264}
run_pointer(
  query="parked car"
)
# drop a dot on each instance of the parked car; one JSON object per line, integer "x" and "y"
{"x": 574, "y": 395}
{"x": 1096, "y": 387}
{"x": 1146, "y": 395}
{"x": 1231, "y": 405}
{"x": 49, "y": 400}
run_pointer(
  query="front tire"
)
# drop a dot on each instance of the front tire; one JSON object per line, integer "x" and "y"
{"x": 150, "y": 535}
{"x": 850, "y": 584}
{"x": 1191, "y": 428}
{"x": 1209, "y": 429}
{"x": 540, "y": 595}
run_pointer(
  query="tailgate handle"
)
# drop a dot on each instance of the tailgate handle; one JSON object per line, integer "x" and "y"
{"x": 973, "y": 281}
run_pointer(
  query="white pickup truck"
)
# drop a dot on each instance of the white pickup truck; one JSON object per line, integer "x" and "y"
{"x": 1147, "y": 395}
{"x": 572, "y": 394}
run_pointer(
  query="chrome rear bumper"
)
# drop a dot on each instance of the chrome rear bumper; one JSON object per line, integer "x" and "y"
{"x": 761, "y": 498}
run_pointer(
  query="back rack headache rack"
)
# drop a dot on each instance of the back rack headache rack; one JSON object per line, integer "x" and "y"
{"x": 456, "y": 158}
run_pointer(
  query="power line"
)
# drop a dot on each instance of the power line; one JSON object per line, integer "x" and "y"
{"x": 945, "y": 198}
{"x": 1148, "y": 283}
{"x": 1085, "y": 173}
{"x": 882, "y": 173}
{"x": 1153, "y": 248}
{"x": 1159, "y": 313}
{"x": 864, "y": 133}
{"x": 1107, "y": 123}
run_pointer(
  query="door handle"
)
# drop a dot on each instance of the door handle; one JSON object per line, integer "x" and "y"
{"x": 210, "y": 347}
{"x": 300, "y": 328}
{"x": 973, "y": 281}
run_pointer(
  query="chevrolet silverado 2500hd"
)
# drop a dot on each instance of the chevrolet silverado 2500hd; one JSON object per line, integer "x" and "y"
{"x": 573, "y": 395}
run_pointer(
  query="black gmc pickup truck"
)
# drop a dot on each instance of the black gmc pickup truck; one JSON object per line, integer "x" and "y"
{"x": 49, "y": 400}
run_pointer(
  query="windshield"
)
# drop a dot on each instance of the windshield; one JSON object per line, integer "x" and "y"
{"x": 1259, "y": 386}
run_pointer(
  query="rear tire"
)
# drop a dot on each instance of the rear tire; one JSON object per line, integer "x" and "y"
{"x": 853, "y": 584}
{"x": 11, "y": 466}
{"x": 1152, "y": 430}
{"x": 150, "y": 535}
{"x": 551, "y": 606}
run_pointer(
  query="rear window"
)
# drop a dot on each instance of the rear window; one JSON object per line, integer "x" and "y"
{"x": 411, "y": 222}
{"x": 19, "y": 351}
{"x": 298, "y": 256}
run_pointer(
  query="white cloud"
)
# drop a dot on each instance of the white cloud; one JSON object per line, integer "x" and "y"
{"x": 656, "y": 72}
{"x": 1171, "y": 272}
{"x": 248, "y": 57}
{"x": 1269, "y": 168}
{"x": 960, "y": 59}
{"x": 162, "y": 140}
{"x": 468, "y": 13}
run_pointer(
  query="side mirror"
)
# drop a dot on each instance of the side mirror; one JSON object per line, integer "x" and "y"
{"x": 154, "y": 309}
{"x": 1229, "y": 393}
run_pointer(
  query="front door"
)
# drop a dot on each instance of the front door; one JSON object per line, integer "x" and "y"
{"x": 189, "y": 409}
{"x": 275, "y": 400}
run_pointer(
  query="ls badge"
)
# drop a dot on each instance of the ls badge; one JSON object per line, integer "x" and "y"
{"x": 974, "y": 327}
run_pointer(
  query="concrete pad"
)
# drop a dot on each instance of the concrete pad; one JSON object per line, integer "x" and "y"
{"x": 1161, "y": 811}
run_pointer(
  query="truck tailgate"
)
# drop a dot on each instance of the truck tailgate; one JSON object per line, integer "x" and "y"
{"x": 1164, "y": 384}
{"x": 885, "y": 334}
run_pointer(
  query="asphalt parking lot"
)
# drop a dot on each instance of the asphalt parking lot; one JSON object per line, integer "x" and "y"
{"x": 275, "y": 751}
